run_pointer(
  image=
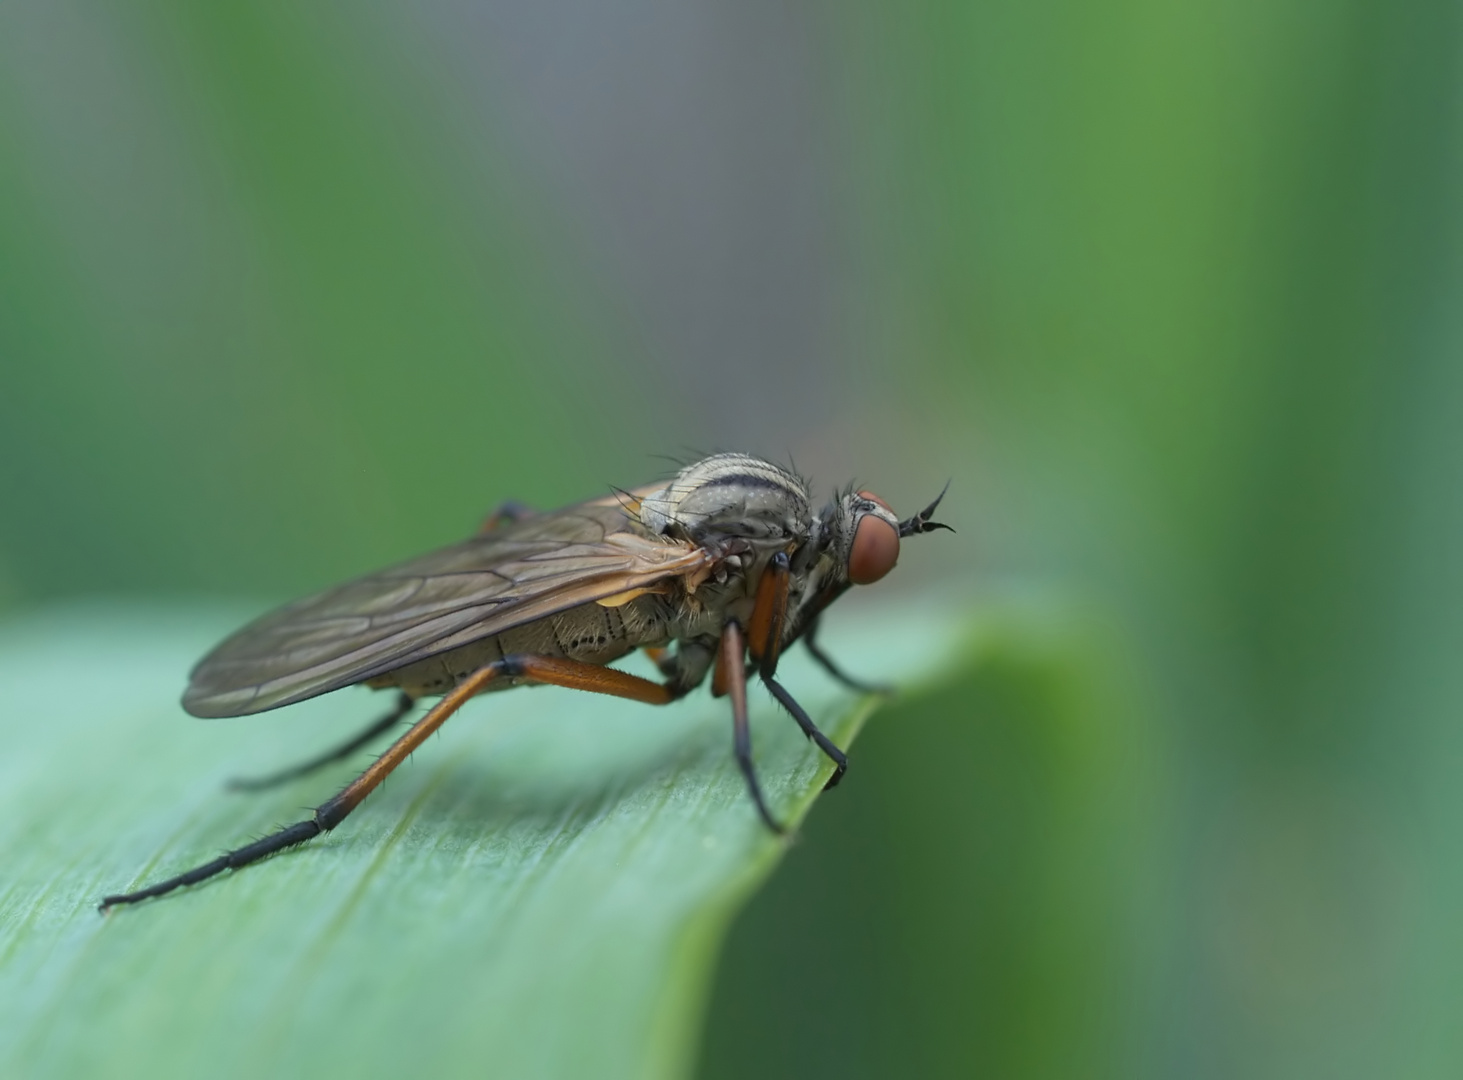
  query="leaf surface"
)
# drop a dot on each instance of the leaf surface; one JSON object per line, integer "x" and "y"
{"x": 542, "y": 890}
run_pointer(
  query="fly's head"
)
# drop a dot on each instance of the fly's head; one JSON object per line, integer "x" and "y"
{"x": 854, "y": 540}
{"x": 739, "y": 507}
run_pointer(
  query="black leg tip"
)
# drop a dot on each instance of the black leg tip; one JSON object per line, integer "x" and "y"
{"x": 775, "y": 827}
{"x": 249, "y": 785}
{"x": 858, "y": 686}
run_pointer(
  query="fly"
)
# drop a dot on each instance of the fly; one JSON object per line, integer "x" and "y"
{"x": 716, "y": 572}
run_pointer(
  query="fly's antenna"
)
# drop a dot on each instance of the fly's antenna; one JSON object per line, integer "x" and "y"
{"x": 921, "y": 522}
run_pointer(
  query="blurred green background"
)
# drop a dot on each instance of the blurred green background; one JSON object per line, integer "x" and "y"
{"x": 1171, "y": 291}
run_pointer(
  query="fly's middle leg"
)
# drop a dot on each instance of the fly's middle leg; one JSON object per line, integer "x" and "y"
{"x": 769, "y": 617}
{"x": 404, "y": 703}
{"x": 732, "y": 669}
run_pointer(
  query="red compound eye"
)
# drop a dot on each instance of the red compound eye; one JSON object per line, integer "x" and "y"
{"x": 875, "y": 547}
{"x": 875, "y": 499}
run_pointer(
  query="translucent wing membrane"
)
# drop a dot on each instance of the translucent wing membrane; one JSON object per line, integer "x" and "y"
{"x": 483, "y": 586}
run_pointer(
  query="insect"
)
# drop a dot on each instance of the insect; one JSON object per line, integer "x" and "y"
{"x": 718, "y": 572}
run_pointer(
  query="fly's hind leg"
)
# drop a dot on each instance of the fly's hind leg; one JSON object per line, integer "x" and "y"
{"x": 554, "y": 671}
{"x": 404, "y": 703}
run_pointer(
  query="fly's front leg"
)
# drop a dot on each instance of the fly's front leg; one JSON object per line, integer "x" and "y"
{"x": 829, "y": 665}
{"x": 769, "y": 616}
{"x": 404, "y": 703}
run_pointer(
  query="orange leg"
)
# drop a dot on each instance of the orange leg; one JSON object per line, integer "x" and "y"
{"x": 544, "y": 669}
{"x": 764, "y": 631}
{"x": 719, "y": 673}
{"x": 769, "y": 612}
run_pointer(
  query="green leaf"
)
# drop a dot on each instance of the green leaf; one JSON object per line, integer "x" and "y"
{"x": 542, "y": 890}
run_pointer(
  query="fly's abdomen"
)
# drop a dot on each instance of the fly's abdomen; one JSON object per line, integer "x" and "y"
{"x": 591, "y": 633}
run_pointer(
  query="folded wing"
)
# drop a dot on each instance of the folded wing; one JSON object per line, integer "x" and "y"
{"x": 482, "y": 586}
